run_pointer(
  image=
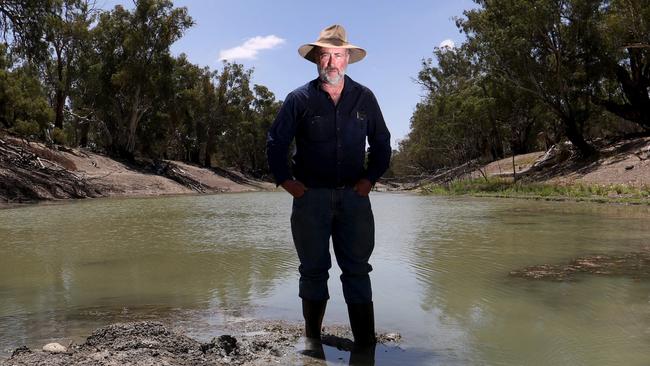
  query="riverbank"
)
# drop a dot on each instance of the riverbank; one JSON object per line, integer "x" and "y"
{"x": 152, "y": 343}
{"x": 31, "y": 171}
{"x": 620, "y": 173}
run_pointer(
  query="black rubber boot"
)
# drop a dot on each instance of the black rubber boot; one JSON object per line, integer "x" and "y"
{"x": 362, "y": 322}
{"x": 313, "y": 312}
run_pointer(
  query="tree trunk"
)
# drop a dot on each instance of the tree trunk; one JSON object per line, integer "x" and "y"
{"x": 60, "y": 103}
{"x": 59, "y": 99}
{"x": 84, "y": 128}
{"x": 134, "y": 118}
{"x": 574, "y": 135}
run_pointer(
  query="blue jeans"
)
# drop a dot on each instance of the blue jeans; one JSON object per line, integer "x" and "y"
{"x": 347, "y": 218}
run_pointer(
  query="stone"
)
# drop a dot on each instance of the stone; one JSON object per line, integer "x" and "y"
{"x": 20, "y": 350}
{"x": 54, "y": 348}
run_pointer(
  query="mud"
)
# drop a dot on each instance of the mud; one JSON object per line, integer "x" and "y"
{"x": 152, "y": 343}
{"x": 634, "y": 265}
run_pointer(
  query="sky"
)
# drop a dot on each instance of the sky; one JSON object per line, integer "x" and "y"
{"x": 265, "y": 35}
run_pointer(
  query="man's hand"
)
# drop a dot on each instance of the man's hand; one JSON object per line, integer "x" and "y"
{"x": 294, "y": 187}
{"x": 363, "y": 187}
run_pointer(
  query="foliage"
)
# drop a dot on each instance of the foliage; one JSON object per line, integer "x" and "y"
{"x": 74, "y": 74}
{"x": 626, "y": 37}
{"x": 530, "y": 74}
{"x": 23, "y": 106}
{"x": 22, "y": 24}
{"x": 131, "y": 57}
{"x": 507, "y": 188}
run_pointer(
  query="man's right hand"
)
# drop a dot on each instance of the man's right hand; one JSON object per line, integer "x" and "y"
{"x": 294, "y": 187}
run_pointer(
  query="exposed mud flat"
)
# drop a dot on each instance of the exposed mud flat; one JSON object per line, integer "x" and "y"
{"x": 634, "y": 265}
{"x": 151, "y": 343}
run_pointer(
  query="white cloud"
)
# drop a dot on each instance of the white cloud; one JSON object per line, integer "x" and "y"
{"x": 447, "y": 43}
{"x": 250, "y": 48}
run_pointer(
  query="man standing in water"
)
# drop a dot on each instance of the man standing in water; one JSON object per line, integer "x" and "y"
{"x": 330, "y": 118}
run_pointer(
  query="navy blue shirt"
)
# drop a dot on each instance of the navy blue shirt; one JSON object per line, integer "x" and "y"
{"x": 330, "y": 139}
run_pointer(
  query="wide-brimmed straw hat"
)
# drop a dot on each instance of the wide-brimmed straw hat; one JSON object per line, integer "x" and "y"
{"x": 333, "y": 36}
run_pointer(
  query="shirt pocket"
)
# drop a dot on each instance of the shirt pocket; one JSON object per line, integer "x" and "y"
{"x": 320, "y": 128}
{"x": 360, "y": 121}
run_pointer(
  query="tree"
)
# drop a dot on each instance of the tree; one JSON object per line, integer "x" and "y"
{"x": 626, "y": 32}
{"x": 67, "y": 35}
{"x": 265, "y": 108}
{"x": 132, "y": 53}
{"x": 233, "y": 115}
{"x": 22, "y": 24}
{"x": 23, "y": 106}
{"x": 548, "y": 48}
{"x": 452, "y": 124}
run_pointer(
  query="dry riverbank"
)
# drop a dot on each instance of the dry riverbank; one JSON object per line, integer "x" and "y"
{"x": 619, "y": 173}
{"x": 31, "y": 171}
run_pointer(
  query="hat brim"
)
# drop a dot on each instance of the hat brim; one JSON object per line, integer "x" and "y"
{"x": 307, "y": 51}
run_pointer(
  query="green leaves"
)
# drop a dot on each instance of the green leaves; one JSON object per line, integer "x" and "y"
{"x": 23, "y": 106}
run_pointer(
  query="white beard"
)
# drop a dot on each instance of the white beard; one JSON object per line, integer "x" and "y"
{"x": 331, "y": 80}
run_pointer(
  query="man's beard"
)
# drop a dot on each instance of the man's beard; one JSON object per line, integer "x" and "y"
{"x": 328, "y": 79}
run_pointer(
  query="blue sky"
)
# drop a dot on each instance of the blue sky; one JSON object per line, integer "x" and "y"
{"x": 396, "y": 34}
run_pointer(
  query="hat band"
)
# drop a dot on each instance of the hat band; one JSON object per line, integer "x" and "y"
{"x": 333, "y": 41}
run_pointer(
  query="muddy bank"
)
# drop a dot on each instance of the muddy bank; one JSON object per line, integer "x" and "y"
{"x": 31, "y": 171}
{"x": 634, "y": 265}
{"x": 621, "y": 162}
{"x": 151, "y": 343}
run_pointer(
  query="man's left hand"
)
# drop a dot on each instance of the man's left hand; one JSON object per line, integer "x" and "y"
{"x": 363, "y": 187}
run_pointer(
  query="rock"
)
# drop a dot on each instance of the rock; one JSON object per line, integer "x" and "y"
{"x": 54, "y": 348}
{"x": 20, "y": 350}
{"x": 227, "y": 343}
{"x": 629, "y": 167}
{"x": 393, "y": 337}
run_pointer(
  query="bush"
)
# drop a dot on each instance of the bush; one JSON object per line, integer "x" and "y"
{"x": 58, "y": 136}
{"x": 26, "y": 129}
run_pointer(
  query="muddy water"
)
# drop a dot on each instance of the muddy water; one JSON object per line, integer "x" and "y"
{"x": 440, "y": 279}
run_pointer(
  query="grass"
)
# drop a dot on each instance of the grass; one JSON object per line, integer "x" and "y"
{"x": 496, "y": 187}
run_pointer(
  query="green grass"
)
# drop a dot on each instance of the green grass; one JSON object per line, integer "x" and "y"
{"x": 495, "y": 187}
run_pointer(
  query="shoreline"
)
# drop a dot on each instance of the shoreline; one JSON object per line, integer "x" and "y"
{"x": 618, "y": 174}
{"x": 151, "y": 342}
{"x": 31, "y": 172}
{"x": 547, "y": 192}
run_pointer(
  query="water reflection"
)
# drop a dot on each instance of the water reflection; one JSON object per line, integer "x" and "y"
{"x": 109, "y": 260}
{"x": 440, "y": 274}
{"x": 462, "y": 264}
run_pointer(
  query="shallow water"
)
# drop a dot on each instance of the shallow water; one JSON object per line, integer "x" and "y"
{"x": 440, "y": 279}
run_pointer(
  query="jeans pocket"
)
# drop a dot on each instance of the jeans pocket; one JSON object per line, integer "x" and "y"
{"x": 299, "y": 200}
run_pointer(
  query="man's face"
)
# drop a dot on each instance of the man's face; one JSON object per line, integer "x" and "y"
{"x": 332, "y": 63}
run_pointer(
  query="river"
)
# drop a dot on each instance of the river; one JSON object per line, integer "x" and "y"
{"x": 441, "y": 273}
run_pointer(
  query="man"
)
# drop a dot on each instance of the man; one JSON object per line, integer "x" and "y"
{"x": 330, "y": 119}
